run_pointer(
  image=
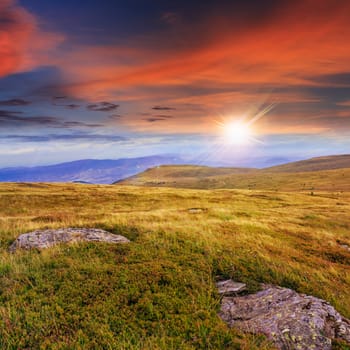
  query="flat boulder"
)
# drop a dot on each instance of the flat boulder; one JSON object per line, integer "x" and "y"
{"x": 41, "y": 239}
{"x": 289, "y": 319}
{"x": 230, "y": 287}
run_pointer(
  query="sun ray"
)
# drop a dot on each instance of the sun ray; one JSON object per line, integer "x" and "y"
{"x": 239, "y": 131}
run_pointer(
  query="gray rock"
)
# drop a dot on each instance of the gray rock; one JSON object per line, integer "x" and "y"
{"x": 289, "y": 319}
{"x": 230, "y": 287}
{"x": 46, "y": 238}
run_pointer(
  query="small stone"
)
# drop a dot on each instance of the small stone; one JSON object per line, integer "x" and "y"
{"x": 345, "y": 246}
{"x": 47, "y": 238}
{"x": 230, "y": 287}
{"x": 195, "y": 210}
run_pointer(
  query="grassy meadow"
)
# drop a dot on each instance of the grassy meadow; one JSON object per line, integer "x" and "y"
{"x": 158, "y": 292}
{"x": 200, "y": 177}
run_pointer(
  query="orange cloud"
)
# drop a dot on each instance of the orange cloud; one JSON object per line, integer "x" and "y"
{"x": 203, "y": 67}
{"x": 296, "y": 42}
{"x": 22, "y": 44}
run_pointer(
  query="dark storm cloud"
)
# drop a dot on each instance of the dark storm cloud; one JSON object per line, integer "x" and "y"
{"x": 8, "y": 114}
{"x": 59, "y": 97}
{"x": 164, "y": 116}
{"x": 63, "y": 102}
{"x": 77, "y": 124}
{"x": 16, "y": 118}
{"x": 9, "y": 118}
{"x": 64, "y": 137}
{"x": 15, "y": 102}
{"x": 68, "y": 106}
{"x": 158, "y": 118}
{"x": 163, "y": 108}
{"x": 153, "y": 120}
{"x": 102, "y": 107}
{"x": 72, "y": 106}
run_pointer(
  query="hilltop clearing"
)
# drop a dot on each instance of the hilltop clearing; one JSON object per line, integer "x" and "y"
{"x": 159, "y": 291}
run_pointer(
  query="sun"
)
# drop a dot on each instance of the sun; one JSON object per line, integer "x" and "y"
{"x": 236, "y": 132}
{"x": 240, "y": 130}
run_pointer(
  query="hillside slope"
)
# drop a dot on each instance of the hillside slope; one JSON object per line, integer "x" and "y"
{"x": 184, "y": 173}
{"x": 276, "y": 178}
{"x": 313, "y": 164}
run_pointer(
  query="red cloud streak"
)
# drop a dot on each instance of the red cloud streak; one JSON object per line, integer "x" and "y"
{"x": 297, "y": 42}
{"x": 22, "y": 44}
{"x": 214, "y": 61}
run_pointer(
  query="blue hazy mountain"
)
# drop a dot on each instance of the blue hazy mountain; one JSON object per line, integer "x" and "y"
{"x": 87, "y": 170}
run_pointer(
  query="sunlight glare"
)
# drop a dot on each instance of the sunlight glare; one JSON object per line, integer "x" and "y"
{"x": 236, "y": 133}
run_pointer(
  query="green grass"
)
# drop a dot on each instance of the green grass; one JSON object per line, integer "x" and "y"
{"x": 195, "y": 177}
{"x": 159, "y": 291}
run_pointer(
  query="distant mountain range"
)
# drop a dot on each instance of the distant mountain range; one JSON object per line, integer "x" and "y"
{"x": 109, "y": 171}
{"x": 86, "y": 171}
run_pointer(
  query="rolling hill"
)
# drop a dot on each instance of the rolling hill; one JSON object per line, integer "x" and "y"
{"x": 314, "y": 164}
{"x": 183, "y": 172}
{"x": 313, "y": 174}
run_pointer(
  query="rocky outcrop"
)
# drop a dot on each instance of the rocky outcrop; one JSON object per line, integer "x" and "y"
{"x": 46, "y": 238}
{"x": 289, "y": 319}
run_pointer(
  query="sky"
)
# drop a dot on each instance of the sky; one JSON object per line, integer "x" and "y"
{"x": 111, "y": 79}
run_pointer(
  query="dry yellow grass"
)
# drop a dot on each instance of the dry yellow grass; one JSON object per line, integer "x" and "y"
{"x": 209, "y": 178}
{"x": 168, "y": 296}
{"x": 314, "y": 164}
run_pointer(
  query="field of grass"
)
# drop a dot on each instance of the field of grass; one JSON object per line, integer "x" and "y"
{"x": 159, "y": 291}
{"x": 214, "y": 178}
